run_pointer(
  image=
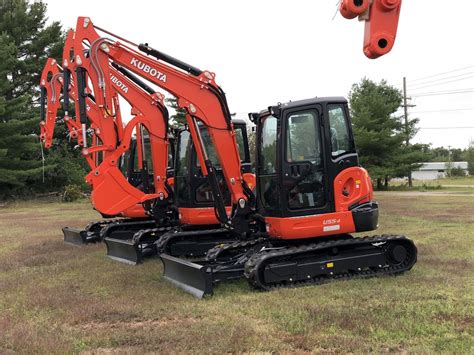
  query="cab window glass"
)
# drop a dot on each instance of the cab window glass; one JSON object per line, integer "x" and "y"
{"x": 303, "y": 143}
{"x": 239, "y": 137}
{"x": 269, "y": 189}
{"x": 339, "y": 131}
{"x": 209, "y": 146}
{"x": 182, "y": 161}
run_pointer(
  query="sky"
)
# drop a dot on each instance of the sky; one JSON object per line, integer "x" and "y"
{"x": 265, "y": 52}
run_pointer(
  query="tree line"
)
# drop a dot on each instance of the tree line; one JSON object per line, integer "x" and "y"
{"x": 26, "y": 41}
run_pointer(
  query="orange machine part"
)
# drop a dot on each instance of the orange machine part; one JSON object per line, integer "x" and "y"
{"x": 351, "y": 186}
{"x": 353, "y": 8}
{"x": 381, "y": 23}
{"x": 381, "y": 29}
{"x": 199, "y": 216}
{"x": 310, "y": 226}
{"x": 195, "y": 94}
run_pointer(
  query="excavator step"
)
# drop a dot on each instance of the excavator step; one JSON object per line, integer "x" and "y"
{"x": 77, "y": 236}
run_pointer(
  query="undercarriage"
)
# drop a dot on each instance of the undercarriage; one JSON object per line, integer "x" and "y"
{"x": 267, "y": 264}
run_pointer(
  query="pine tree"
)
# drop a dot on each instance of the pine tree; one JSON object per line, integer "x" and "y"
{"x": 25, "y": 43}
{"x": 378, "y": 133}
{"x": 470, "y": 158}
{"x": 178, "y": 118}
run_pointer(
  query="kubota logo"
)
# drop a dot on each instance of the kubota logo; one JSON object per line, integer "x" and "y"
{"x": 149, "y": 70}
{"x": 117, "y": 82}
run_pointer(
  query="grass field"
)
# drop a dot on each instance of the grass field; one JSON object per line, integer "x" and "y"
{"x": 457, "y": 183}
{"x": 56, "y": 298}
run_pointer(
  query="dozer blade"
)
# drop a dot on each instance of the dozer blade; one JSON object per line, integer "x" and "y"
{"x": 75, "y": 236}
{"x": 127, "y": 251}
{"x": 193, "y": 278}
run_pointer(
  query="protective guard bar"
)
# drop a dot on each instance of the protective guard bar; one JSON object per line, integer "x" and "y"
{"x": 169, "y": 59}
{"x": 81, "y": 97}
{"x": 66, "y": 83}
{"x": 43, "y": 104}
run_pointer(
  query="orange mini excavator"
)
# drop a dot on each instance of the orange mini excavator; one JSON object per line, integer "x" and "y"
{"x": 111, "y": 194}
{"x": 96, "y": 58}
{"x": 105, "y": 139}
{"x": 310, "y": 193}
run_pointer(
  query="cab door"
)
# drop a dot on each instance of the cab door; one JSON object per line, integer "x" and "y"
{"x": 341, "y": 153}
{"x": 303, "y": 174}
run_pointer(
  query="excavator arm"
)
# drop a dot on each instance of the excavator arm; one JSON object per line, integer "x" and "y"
{"x": 197, "y": 92}
{"x": 150, "y": 114}
{"x": 50, "y": 85}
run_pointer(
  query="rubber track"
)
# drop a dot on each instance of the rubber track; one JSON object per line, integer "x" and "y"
{"x": 218, "y": 250}
{"x": 252, "y": 273}
{"x": 143, "y": 232}
{"x": 163, "y": 245}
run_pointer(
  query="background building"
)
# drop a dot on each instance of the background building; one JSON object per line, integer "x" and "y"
{"x": 438, "y": 170}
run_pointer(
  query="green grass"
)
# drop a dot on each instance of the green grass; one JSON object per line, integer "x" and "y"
{"x": 56, "y": 298}
{"x": 464, "y": 185}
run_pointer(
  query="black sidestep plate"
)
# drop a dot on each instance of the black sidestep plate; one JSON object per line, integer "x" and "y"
{"x": 190, "y": 276}
{"x": 75, "y": 236}
{"x": 123, "y": 250}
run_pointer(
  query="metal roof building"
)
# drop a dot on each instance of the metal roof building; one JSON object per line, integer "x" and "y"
{"x": 437, "y": 170}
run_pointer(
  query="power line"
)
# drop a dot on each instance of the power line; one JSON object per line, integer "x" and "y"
{"x": 445, "y": 110}
{"x": 443, "y": 81}
{"x": 446, "y": 127}
{"x": 434, "y": 93}
{"x": 447, "y": 72}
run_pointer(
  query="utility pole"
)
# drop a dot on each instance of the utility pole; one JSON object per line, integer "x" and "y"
{"x": 407, "y": 132}
{"x": 449, "y": 161}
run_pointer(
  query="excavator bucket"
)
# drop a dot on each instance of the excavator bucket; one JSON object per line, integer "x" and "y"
{"x": 79, "y": 236}
{"x": 191, "y": 277}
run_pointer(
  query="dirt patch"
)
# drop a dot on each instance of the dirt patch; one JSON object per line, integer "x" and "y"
{"x": 137, "y": 324}
{"x": 44, "y": 253}
{"x": 458, "y": 267}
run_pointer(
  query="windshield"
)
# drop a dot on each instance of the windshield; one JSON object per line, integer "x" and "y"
{"x": 183, "y": 153}
{"x": 211, "y": 151}
{"x": 303, "y": 139}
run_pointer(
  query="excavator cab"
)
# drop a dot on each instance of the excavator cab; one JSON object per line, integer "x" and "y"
{"x": 308, "y": 167}
{"x": 193, "y": 193}
{"x": 302, "y": 147}
{"x": 129, "y": 162}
